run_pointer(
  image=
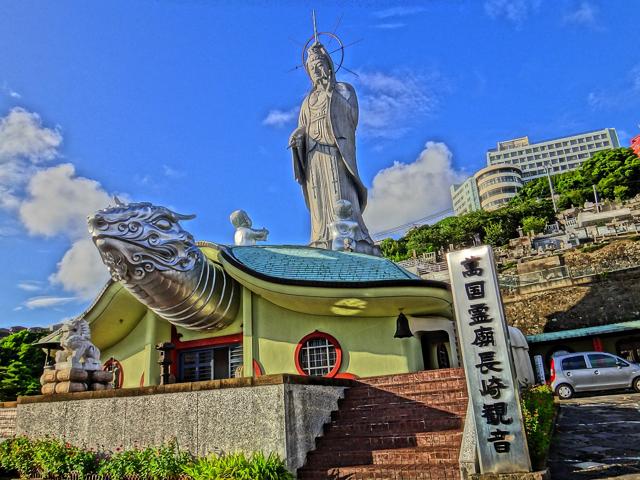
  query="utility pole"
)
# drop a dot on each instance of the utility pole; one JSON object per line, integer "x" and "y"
{"x": 553, "y": 193}
{"x": 595, "y": 196}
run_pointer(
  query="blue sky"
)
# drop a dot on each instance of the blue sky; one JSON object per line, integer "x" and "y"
{"x": 190, "y": 104}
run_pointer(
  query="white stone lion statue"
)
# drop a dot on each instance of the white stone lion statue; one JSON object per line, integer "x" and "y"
{"x": 78, "y": 351}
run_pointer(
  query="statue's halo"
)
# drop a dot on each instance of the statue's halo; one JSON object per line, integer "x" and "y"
{"x": 330, "y": 35}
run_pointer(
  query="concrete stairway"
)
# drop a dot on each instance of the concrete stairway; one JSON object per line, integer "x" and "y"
{"x": 394, "y": 427}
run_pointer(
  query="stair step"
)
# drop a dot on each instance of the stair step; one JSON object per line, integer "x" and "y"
{"x": 388, "y": 472}
{"x": 381, "y": 442}
{"x": 439, "y": 385}
{"x": 394, "y": 426}
{"x": 383, "y": 396}
{"x": 363, "y": 409}
{"x": 433, "y": 455}
{"x": 424, "y": 376}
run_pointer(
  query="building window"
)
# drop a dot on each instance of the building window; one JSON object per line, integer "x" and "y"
{"x": 318, "y": 354}
{"x": 211, "y": 363}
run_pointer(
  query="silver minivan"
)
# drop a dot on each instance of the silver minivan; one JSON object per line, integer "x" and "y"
{"x": 587, "y": 371}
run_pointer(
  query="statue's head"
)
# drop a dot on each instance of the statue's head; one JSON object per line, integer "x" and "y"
{"x": 138, "y": 238}
{"x": 76, "y": 328}
{"x": 344, "y": 209}
{"x": 319, "y": 64}
{"x": 239, "y": 218}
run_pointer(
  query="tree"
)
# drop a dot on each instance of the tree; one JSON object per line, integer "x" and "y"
{"x": 533, "y": 224}
{"x": 20, "y": 365}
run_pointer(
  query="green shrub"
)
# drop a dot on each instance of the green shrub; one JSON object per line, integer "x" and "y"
{"x": 54, "y": 458}
{"x": 239, "y": 467}
{"x": 593, "y": 247}
{"x": 50, "y": 458}
{"x": 16, "y": 455}
{"x": 538, "y": 411}
{"x": 154, "y": 463}
{"x": 46, "y": 457}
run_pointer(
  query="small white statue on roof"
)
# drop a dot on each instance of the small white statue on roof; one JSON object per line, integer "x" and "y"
{"x": 245, "y": 235}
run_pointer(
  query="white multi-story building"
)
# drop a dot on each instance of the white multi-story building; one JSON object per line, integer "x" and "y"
{"x": 558, "y": 155}
{"x": 465, "y": 196}
{"x": 497, "y": 185}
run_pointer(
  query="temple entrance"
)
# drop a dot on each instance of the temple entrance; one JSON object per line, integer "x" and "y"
{"x": 436, "y": 351}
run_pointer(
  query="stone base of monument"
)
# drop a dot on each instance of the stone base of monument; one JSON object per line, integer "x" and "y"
{"x": 541, "y": 475}
{"x": 70, "y": 380}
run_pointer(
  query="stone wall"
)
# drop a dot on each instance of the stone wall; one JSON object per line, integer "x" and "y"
{"x": 604, "y": 299}
{"x": 8, "y": 413}
{"x": 277, "y": 413}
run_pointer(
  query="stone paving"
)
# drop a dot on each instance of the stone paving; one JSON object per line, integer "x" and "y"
{"x": 597, "y": 437}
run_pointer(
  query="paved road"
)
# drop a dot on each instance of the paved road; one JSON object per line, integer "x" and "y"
{"x": 597, "y": 437}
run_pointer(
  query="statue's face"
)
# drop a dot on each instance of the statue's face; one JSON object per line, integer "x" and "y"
{"x": 319, "y": 71}
{"x": 139, "y": 238}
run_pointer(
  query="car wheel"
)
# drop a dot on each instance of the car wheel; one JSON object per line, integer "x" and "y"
{"x": 565, "y": 391}
{"x": 636, "y": 384}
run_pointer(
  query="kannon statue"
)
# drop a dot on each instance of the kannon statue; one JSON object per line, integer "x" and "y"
{"x": 324, "y": 153}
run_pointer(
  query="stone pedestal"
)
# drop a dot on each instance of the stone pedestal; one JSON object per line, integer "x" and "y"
{"x": 69, "y": 380}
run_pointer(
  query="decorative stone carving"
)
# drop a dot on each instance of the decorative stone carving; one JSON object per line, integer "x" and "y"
{"x": 77, "y": 350}
{"x": 245, "y": 235}
{"x": 324, "y": 152}
{"x": 147, "y": 250}
{"x": 343, "y": 230}
{"x": 78, "y": 366}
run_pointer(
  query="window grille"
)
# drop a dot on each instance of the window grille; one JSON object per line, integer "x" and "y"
{"x": 318, "y": 357}
{"x": 196, "y": 365}
{"x": 235, "y": 359}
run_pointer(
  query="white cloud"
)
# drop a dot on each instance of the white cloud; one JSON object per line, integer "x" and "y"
{"x": 59, "y": 202}
{"x": 406, "y": 192}
{"x": 4, "y": 88}
{"x": 515, "y": 11}
{"x": 624, "y": 95}
{"x": 24, "y": 145}
{"x": 278, "y": 118}
{"x": 399, "y": 11}
{"x": 81, "y": 270}
{"x": 47, "y": 302}
{"x": 584, "y": 15}
{"x": 23, "y": 136}
{"x": 172, "y": 172}
{"x": 50, "y": 201}
{"x": 30, "y": 286}
{"x": 390, "y": 103}
{"x": 390, "y": 26}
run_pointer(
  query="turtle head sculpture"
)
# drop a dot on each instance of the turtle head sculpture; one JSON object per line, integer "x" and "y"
{"x": 147, "y": 250}
{"x": 139, "y": 238}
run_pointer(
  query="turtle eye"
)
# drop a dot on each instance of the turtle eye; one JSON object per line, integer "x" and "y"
{"x": 163, "y": 224}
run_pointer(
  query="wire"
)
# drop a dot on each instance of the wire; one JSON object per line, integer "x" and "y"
{"x": 414, "y": 223}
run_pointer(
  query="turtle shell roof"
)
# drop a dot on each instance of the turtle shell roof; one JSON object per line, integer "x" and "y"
{"x": 305, "y": 264}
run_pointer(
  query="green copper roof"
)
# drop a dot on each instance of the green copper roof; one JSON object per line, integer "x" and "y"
{"x": 584, "y": 332}
{"x": 318, "y": 265}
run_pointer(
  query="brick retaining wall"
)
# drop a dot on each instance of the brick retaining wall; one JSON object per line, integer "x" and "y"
{"x": 8, "y": 413}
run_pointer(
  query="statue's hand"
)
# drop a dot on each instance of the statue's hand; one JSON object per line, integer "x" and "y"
{"x": 297, "y": 137}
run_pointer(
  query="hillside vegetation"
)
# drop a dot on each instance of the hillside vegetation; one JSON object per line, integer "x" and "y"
{"x": 615, "y": 173}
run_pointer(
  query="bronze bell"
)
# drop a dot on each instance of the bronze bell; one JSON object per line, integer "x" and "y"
{"x": 402, "y": 327}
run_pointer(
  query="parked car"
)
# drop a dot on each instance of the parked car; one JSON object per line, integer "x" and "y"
{"x": 588, "y": 371}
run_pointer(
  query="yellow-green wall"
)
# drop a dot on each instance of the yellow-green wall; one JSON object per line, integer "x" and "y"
{"x": 367, "y": 344}
{"x": 136, "y": 352}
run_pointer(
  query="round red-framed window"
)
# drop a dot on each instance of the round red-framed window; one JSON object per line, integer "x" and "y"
{"x": 318, "y": 354}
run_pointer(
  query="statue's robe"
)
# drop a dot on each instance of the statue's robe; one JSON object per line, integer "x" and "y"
{"x": 331, "y": 174}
